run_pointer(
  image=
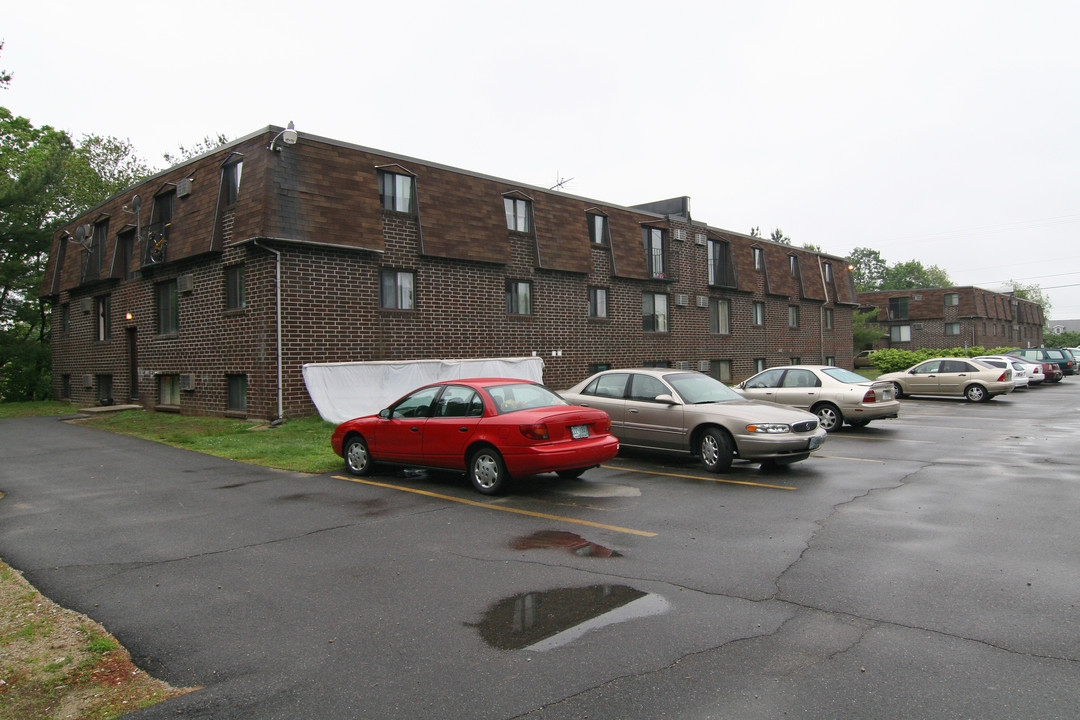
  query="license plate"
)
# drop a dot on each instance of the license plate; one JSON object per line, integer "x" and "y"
{"x": 815, "y": 442}
{"x": 579, "y": 431}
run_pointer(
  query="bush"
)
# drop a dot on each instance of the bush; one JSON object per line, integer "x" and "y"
{"x": 893, "y": 360}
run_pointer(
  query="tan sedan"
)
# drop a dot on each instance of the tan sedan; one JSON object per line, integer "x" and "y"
{"x": 834, "y": 394}
{"x": 691, "y": 413}
{"x": 964, "y": 377}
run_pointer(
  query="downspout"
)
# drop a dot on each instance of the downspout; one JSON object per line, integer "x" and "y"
{"x": 821, "y": 310}
{"x": 277, "y": 291}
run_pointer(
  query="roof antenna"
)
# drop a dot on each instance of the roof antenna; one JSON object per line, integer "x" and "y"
{"x": 559, "y": 182}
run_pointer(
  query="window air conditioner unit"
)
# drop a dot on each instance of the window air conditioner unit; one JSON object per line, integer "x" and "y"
{"x": 917, "y": 326}
{"x": 702, "y": 301}
{"x": 187, "y": 382}
{"x": 183, "y": 188}
{"x": 700, "y": 238}
{"x": 917, "y": 297}
{"x": 86, "y": 305}
{"x": 88, "y": 381}
{"x": 682, "y": 365}
{"x": 682, "y": 300}
{"x": 185, "y": 283}
{"x": 680, "y": 234}
{"x": 703, "y": 366}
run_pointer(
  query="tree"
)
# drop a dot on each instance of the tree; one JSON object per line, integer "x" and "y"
{"x": 755, "y": 231}
{"x": 5, "y": 76}
{"x": 205, "y": 145}
{"x": 868, "y": 269}
{"x": 779, "y": 236}
{"x": 913, "y": 274}
{"x": 864, "y": 329}
{"x": 1033, "y": 293}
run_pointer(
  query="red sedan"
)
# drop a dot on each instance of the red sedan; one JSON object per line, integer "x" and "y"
{"x": 492, "y": 428}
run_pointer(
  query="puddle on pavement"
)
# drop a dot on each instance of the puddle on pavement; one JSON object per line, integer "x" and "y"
{"x": 546, "y": 539}
{"x": 550, "y": 619}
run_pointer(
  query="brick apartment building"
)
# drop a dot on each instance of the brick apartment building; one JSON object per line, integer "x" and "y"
{"x": 954, "y": 317}
{"x": 205, "y": 289}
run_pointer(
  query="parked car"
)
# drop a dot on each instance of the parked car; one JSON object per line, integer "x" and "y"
{"x": 965, "y": 377}
{"x": 494, "y": 429}
{"x": 864, "y": 359}
{"x": 1036, "y": 372}
{"x": 1021, "y": 373}
{"x": 834, "y": 394}
{"x": 1061, "y": 358}
{"x": 692, "y": 413}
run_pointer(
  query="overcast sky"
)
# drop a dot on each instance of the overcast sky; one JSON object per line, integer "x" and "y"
{"x": 944, "y": 132}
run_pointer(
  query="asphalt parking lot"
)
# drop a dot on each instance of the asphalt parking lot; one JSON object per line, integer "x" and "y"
{"x": 920, "y": 567}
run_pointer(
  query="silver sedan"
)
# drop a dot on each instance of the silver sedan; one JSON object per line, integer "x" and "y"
{"x": 834, "y": 394}
{"x": 691, "y": 413}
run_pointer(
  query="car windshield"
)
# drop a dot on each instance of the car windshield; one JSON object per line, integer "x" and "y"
{"x": 844, "y": 376}
{"x": 696, "y": 388}
{"x": 522, "y": 396}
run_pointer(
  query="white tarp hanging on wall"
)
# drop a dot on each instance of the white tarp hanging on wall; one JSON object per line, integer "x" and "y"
{"x": 342, "y": 391}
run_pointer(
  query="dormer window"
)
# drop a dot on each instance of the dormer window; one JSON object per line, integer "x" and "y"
{"x": 518, "y": 214}
{"x": 759, "y": 258}
{"x": 396, "y": 192}
{"x": 230, "y": 181}
{"x": 654, "y": 251}
{"x": 598, "y": 229}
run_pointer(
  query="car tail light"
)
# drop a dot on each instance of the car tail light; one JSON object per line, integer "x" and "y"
{"x": 1003, "y": 377}
{"x": 870, "y": 396}
{"x": 538, "y": 431}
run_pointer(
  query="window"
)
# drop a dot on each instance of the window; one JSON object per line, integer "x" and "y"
{"x": 518, "y": 298}
{"x": 952, "y": 299}
{"x": 828, "y": 271}
{"x": 796, "y": 361}
{"x": 598, "y": 229}
{"x": 654, "y": 251}
{"x": 720, "y": 265}
{"x": 396, "y": 290}
{"x": 168, "y": 311}
{"x": 952, "y": 328}
{"x": 719, "y": 316}
{"x": 598, "y": 367}
{"x": 721, "y": 370}
{"x": 759, "y": 365}
{"x": 646, "y": 388}
{"x": 759, "y": 258}
{"x": 597, "y": 302}
{"x": 97, "y": 249}
{"x": 654, "y": 317}
{"x": 458, "y": 401}
{"x": 157, "y": 234}
{"x": 169, "y": 389}
{"x": 124, "y": 255}
{"x": 102, "y": 312}
{"x": 104, "y": 389}
{"x": 230, "y": 181}
{"x": 396, "y": 192}
{"x": 793, "y": 265}
{"x": 830, "y": 359}
{"x": 235, "y": 295}
{"x": 65, "y": 317}
{"x": 793, "y": 316}
{"x": 65, "y": 387}
{"x": 829, "y": 320}
{"x": 900, "y": 333}
{"x": 898, "y": 308}
{"x": 518, "y": 213}
{"x": 237, "y": 393}
{"x": 758, "y": 313}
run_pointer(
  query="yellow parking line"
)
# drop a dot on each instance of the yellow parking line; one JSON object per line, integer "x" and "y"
{"x": 474, "y": 503}
{"x": 702, "y": 477}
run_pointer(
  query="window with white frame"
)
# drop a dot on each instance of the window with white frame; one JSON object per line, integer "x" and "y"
{"x": 396, "y": 192}
{"x": 952, "y": 328}
{"x": 518, "y": 214}
{"x": 952, "y": 299}
{"x": 828, "y": 271}
{"x": 397, "y": 290}
{"x": 598, "y": 229}
{"x": 900, "y": 333}
{"x": 759, "y": 365}
{"x": 230, "y": 180}
{"x": 719, "y": 316}
{"x": 518, "y": 297}
{"x": 828, "y": 318}
{"x": 598, "y": 302}
{"x": 793, "y": 265}
{"x": 103, "y": 313}
{"x": 758, "y": 313}
{"x": 720, "y": 265}
{"x": 169, "y": 389}
{"x": 793, "y": 316}
{"x": 759, "y": 258}
{"x": 168, "y": 308}
{"x": 654, "y": 312}
{"x": 721, "y": 370}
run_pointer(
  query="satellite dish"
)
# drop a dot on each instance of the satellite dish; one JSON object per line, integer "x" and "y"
{"x": 136, "y": 204}
{"x": 80, "y": 233}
